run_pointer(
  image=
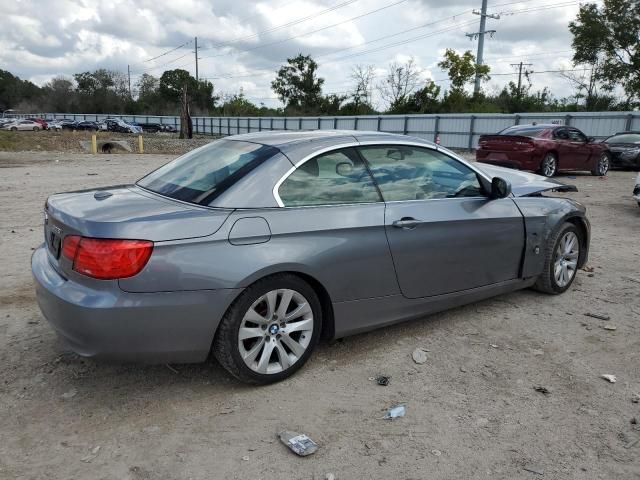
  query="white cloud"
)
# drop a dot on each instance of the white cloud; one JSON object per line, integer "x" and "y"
{"x": 70, "y": 36}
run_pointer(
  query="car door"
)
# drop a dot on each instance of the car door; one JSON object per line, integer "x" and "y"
{"x": 446, "y": 235}
{"x": 581, "y": 149}
{"x": 25, "y": 125}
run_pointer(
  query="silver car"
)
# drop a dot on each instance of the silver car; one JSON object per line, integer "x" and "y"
{"x": 256, "y": 246}
{"x": 22, "y": 125}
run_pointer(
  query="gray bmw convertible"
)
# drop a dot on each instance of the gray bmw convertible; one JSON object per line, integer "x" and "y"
{"x": 255, "y": 247}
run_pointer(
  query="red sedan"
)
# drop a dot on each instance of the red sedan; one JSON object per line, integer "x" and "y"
{"x": 546, "y": 149}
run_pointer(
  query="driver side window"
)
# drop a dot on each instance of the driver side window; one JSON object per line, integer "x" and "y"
{"x": 413, "y": 173}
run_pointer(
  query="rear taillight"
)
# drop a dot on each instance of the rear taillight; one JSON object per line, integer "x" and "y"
{"x": 104, "y": 258}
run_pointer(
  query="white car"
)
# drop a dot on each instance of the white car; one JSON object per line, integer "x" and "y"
{"x": 636, "y": 190}
{"x": 22, "y": 125}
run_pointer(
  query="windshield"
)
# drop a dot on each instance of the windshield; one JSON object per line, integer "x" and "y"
{"x": 625, "y": 138}
{"x": 523, "y": 131}
{"x": 205, "y": 173}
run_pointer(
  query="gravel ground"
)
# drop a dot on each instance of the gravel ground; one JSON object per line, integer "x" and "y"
{"x": 472, "y": 410}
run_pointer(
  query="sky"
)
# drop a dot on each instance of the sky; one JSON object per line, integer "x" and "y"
{"x": 242, "y": 43}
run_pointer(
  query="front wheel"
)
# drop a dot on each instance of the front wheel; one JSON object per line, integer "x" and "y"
{"x": 562, "y": 255}
{"x": 549, "y": 165}
{"x": 270, "y": 330}
{"x": 603, "y": 165}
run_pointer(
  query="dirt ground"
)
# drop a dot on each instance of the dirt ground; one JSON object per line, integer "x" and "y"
{"x": 472, "y": 410}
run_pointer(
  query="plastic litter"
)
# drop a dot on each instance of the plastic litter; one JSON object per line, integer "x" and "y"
{"x": 298, "y": 443}
{"x": 382, "y": 380}
{"x": 396, "y": 412}
{"x": 598, "y": 316}
{"x": 543, "y": 390}
{"x": 609, "y": 378}
{"x": 419, "y": 356}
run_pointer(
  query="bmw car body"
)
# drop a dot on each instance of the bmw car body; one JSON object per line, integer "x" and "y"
{"x": 374, "y": 250}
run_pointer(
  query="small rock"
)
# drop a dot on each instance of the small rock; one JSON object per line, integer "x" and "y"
{"x": 245, "y": 458}
{"x": 437, "y": 453}
{"x": 610, "y": 327}
{"x": 587, "y": 269}
{"x": 419, "y": 356}
{"x": 538, "y": 352}
{"x": 329, "y": 476}
{"x": 635, "y": 398}
{"x": 609, "y": 378}
{"x": 70, "y": 394}
{"x": 598, "y": 316}
{"x": 463, "y": 370}
{"x": 493, "y": 345}
{"x": 382, "y": 380}
{"x": 634, "y": 421}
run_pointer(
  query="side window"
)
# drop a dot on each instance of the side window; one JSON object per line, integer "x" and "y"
{"x": 561, "y": 134}
{"x": 332, "y": 178}
{"x": 413, "y": 173}
{"x": 576, "y": 136}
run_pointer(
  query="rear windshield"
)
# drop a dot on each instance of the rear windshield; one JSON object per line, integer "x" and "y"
{"x": 625, "y": 138}
{"x": 205, "y": 173}
{"x": 523, "y": 131}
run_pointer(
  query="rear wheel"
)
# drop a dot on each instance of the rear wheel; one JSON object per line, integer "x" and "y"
{"x": 562, "y": 255}
{"x": 603, "y": 165}
{"x": 549, "y": 165}
{"x": 35, "y": 129}
{"x": 270, "y": 330}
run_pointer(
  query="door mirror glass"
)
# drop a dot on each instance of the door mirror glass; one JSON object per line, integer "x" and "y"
{"x": 591, "y": 140}
{"x": 500, "y": 188}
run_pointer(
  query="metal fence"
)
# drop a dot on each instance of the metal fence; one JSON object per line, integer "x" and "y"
{"x": 453, "y": 130}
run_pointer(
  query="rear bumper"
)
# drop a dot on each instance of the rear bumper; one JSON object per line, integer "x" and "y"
{"x": 176, "y": 327}
{"x": 519, "y": 160}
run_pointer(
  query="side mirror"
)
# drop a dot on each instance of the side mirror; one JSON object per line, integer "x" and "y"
{"x": 500, "y": 188}
{"x": 591, "y": 140}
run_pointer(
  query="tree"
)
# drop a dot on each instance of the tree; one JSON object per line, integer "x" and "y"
{"x": 298, "y": 86}
{"x": 425, "y": 100}
{"x": 462, "y": 69}
{"x": 362, "y": 95}
{"x": 609, "y": 37}
{"x": 14, "y": 91}
{"x": 400, "y": 82}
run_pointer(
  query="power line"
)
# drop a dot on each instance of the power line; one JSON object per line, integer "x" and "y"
{"x": 371, "y": 12}
{"x": 278, "y": 27}
{"x": 167, "y": 52}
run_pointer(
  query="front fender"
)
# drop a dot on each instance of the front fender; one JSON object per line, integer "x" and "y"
{"x": 543, "y": 217}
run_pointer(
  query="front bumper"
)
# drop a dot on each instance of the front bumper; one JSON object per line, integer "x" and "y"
{"x": 108, "y": 323}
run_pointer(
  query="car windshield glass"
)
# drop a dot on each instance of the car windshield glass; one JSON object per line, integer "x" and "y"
{"x": 625, "y": 138}
{"x": 203, "y": 174}
{"x": 523, "y": 131}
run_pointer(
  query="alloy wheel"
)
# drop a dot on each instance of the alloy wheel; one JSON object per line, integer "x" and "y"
{"x": 276, "y": 331}
{"x": 566, "y": 259}
{"x": 603, "y": 164}
{"x": 549, "y": 166}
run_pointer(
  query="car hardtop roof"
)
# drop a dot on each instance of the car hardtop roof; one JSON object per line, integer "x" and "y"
{"x": 538, "y": 125}
{"x": 289, "y": 139}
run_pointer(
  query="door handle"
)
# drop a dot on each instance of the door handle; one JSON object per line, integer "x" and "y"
{"x": 407, "y": 223}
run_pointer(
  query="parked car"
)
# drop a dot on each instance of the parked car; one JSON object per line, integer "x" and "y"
{"x": 42, "y": 122}
{"x": 118, "y": 125}
{"x": 255, "y": 246}
{"x": 22, "y": 124}
{"x": 625, "y": 149}
{"x": 636, "y": 190}
{"x": 546, "y": 149}
{"x": 169, "y": 128}
{"x": 150, "y": 127}
{"x": 86, "y": 125}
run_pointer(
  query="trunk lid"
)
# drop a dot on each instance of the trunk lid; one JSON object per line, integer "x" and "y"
{"x": 524, "y": 183}
{"x": 123, "y": 211}
{"x": 505, "y": 143}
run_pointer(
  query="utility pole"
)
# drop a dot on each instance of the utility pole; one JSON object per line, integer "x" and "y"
{"x": 196, "y": 44}
{"x": 129, "y": 78}
{"x": 480, "y": 36}
{"x": 519, "y": 66}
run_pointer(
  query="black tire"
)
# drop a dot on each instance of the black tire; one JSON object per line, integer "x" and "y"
{"x": 225, "y": 343}
{"x": 546, "y": 282}
{"x": 602, "y": 165}
{"x": 35, "y": 129}
{"x": 549, "y": 165}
